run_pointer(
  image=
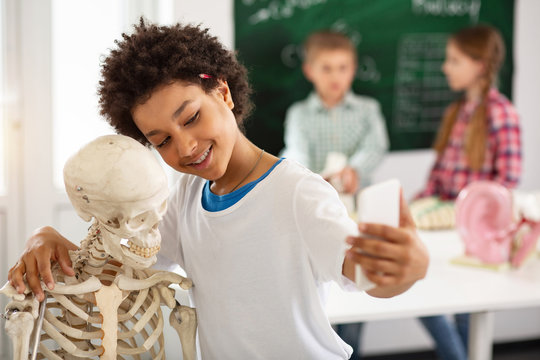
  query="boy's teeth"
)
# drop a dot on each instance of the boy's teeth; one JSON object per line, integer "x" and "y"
{"x": 202, "y": 157}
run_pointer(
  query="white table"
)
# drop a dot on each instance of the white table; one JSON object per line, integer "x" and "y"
{"x": 448, "y": 289}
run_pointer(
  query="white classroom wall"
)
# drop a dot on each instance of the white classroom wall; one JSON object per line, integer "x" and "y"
{"x": 412, "y": 167}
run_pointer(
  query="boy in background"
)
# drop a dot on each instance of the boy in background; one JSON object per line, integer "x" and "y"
{"x": 333, "y": 119}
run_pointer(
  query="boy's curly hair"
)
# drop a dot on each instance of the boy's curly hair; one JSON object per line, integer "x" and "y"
{"x": 157, "y": 55}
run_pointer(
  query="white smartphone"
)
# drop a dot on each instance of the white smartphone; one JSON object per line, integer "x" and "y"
{"x": 378, "y": 203}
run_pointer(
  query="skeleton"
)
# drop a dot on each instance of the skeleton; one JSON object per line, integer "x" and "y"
{"x": 111, "y": 308}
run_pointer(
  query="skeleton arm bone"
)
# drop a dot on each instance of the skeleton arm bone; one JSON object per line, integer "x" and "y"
{"x": 20, "y": 323}
{"x": 184, "y": 320}
{"x": 19, "y": 328}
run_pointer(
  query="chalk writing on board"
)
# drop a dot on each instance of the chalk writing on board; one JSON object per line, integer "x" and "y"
{"x": 276, "y": 9}
{"x": 447, "y": 8}
{"x": 292, "y": 55}
{"x": 420, "y": 89}
{"x": 367, "y": 69}
{"x": 352, "y": 33}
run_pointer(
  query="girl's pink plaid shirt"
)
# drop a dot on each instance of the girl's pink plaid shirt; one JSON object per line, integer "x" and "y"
{"x": 502, "y": 162}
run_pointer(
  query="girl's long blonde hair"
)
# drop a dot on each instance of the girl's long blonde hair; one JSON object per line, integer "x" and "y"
{"x": 482, "y": 43}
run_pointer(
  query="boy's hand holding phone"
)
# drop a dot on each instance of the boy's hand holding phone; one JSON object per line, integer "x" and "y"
{"x": 388, "y": 251}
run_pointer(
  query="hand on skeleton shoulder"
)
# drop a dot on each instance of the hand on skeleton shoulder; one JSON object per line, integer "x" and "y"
{"x": 110, "y": 306}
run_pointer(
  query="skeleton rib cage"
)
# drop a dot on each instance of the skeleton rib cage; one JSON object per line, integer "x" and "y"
{"x": 72, "y": 324}
{"x": 76, "y": 319}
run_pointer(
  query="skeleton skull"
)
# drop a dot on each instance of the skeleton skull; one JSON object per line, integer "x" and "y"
{"x": 118, "y": 182}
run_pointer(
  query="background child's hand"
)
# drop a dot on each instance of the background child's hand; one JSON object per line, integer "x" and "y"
{"x": 44, "y": 246}
{"x": 394, "y": 263}
{"x": 350, "y": 180}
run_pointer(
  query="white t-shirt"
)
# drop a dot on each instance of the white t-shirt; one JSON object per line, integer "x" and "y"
{"x": 260, "y": 267}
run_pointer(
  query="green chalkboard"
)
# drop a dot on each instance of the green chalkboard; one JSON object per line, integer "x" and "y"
{"x": 400, "y": 47}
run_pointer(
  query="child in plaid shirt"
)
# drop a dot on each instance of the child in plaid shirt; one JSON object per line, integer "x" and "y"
{"x": 479, "y": 139}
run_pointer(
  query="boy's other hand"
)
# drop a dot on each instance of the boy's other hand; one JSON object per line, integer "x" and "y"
{"x": 394, "y": 263}
{"x": 44, "y": 246}
{"x": 350, "y": 180}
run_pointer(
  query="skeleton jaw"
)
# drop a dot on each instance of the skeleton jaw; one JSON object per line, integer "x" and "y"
{"x": 128, "y": 252}
{"x": 146, "y": 252}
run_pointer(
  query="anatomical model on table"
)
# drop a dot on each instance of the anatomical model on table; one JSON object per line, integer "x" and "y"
{"x": 432, "y": 213}
{"x": 498, "y": 226}
{"x": 110, "y": 309}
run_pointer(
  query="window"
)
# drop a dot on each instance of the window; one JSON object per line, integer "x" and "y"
{"x": 82, "y": 33}
{"x": 2, "y": 99}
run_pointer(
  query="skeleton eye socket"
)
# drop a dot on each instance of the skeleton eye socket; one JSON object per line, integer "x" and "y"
{"x": 142, "y": 221}
{"x": 136, "y": 221}
{"x": 114, "y": 223}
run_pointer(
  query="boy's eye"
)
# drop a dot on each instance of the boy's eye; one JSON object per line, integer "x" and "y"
{"x": 163, "y": 143}
{"x": 192, "y": 119}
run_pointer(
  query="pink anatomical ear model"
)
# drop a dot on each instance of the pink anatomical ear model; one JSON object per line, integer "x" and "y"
{"x": 497, "y": 225}
{"x": 484, "y": 221}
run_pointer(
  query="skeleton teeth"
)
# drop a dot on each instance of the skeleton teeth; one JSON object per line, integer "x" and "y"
{"x": 141, "y": 251}
{"x": 201, "y": 159}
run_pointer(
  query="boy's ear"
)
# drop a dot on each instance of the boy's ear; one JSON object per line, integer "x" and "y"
{"x": 225, "y": 93}
{"x": 306, "y": 69}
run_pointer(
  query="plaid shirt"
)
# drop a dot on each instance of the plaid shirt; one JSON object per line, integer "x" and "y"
{"x": 355, "y": 127}
{"x": 502, "y": 161}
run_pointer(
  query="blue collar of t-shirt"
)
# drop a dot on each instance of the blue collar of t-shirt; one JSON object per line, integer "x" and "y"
{"x": 213, "y": 202}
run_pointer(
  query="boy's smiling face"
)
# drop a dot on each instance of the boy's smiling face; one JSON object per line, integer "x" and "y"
{"x": 194, "y": 132}
{"x": 332, "y": 73}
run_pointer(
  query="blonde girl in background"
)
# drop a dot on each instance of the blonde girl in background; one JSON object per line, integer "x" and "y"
{"x": 479, "y": 139}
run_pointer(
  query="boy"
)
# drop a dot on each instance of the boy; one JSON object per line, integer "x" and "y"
{"x": 259, "y": 236}
{"x": 333, "y": 118}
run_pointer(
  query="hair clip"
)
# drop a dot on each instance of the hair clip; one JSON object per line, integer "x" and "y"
{"x": 205, "y": 76}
